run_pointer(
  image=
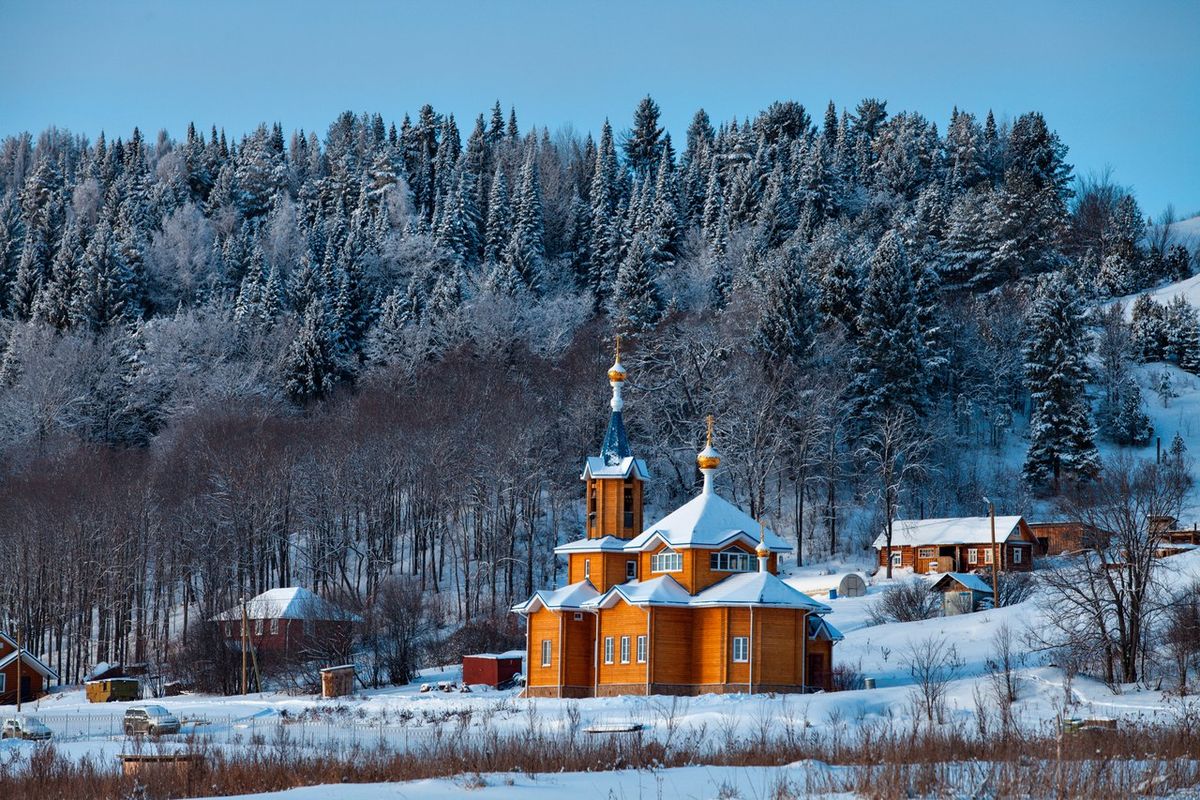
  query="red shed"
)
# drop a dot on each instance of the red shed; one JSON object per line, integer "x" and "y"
{"x": 492, "y": 669}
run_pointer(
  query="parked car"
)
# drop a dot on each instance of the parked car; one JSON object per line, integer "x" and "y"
{"x": 151, "y": 720}
{"x": 30, "y": 728}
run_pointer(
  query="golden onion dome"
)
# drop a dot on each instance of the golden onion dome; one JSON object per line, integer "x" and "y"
{"x": 616, "y": 373}
{"x": 709, "y": 458}
{"x": 762, "y": 550}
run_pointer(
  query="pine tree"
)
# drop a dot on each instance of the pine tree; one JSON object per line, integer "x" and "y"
{"x": 1130, "y": 425}
{"x": 1148, "y": 329}
{"x": 1062, "y": 442}
{"x": 889, "y": 369}
{"x": 644, "y": 144}
{"x": 526, "y": 252}
{"x": 635, "y": 303}
{"x": 101, "y": 300}
{"x": 787, "y": 319}
{"x": 499, "y": 219}
{"x": 309, "y": 368}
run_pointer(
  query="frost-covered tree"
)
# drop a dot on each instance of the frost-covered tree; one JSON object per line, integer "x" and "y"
{"x": 1062, "y": 438}
{"x": 635, "y": 303}
{"x": 889, "y": 368}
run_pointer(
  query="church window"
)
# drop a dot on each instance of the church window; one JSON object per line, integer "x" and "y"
{"x": 547, "y": 652}
{"x": 666, "y": 561}
{"x": 587, "y": 568}
{"x": 641, "y": 649}
{"x": 732, "y": 560}
{"x": 741, "y": 649}
{"x": 630, "y": 569}
{"x": 608, "y": 649}
{"x": 624, "y": 649}
{"x": 628, "y": 505}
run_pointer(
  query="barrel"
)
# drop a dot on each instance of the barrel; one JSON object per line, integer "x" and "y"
{"x": 833, "y": 594}
{"x": 868, "y": 683}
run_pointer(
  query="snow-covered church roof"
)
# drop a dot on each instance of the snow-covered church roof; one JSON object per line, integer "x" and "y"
{"x": 598, "y": 467}
{"x": 953, "y": 530}
{"x": 291, "y": 602}
{"x": 661, "y": 591}
{"x": 571, "y": 596}
{"x": 707, "y": 521}
{"x": 759, "y": 589}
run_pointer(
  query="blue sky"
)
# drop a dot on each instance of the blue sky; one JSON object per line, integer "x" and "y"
{"x": 1120, "y": 82}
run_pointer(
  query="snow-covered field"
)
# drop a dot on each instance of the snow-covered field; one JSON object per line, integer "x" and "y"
{"x": 401, "y": 717}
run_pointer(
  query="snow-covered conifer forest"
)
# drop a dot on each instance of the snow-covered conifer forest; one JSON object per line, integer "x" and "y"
{"x": 370, "y": 360}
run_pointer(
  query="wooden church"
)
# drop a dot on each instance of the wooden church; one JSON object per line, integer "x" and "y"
{"x": 687, "y": 605}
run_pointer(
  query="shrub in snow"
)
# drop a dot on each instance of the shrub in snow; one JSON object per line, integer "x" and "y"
{"x": 905, "y": 601}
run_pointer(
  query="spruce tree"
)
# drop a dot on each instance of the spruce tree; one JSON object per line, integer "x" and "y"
{"x": 308, "y": 366}
{"x": 1062, "y": 439}
{"x": 1130, "y": 425}
{"x": 889, "y": 369}
{"x": 635, "y": 303}
{"x": 644, "y": 142}
{"x": 787, "y": 319}
{"x": 525, "y": 252}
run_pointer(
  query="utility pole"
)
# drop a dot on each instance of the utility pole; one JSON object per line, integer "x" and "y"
{"x": 995, "y": 556}
{"x": 244, "y": 640}
{"x": 18, "y": 666}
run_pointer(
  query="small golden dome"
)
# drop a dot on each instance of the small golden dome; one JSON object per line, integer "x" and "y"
{"x": 762, "y": 550}
{"x": 616, "y": 373}
{"x": 709, "y": 458}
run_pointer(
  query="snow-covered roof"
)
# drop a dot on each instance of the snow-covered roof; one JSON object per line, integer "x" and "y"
{"x": 292, "y": 602}
{"x": 507, "y": 654}
{"x": 571, "y": 596}
{"x": 953, "y": 530}
{"x": 603, "y": 544}
{"x": 756, "y": 589}
{"x": 707, "y": 520}
{"x": 598, "y": 467}
{"x": 31, "y": 661}
{"x": 661, "y": 591}
{"x": 820, "y": 628}
{"x": 967, "y": 579}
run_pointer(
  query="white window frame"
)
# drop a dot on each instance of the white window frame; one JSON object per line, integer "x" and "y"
{"x": 3, "y": 682}
{"x": 624, "y": 649}
{"x": 579, "y": 616}
{"x": 927, "y": 552}
{"x": 631, "y": 569}
{"x": 666, "y": 560}
{"x": 989, "y": 556}
{"x": 1016, "y": 554}
{"x": 275, "y": 626}
{"x": 972, "y": 555}
{"x": 741, "y": 649}
{"x": 641, "y": 649}
{"x": 547, "y": 652}
{"x": 732, "y": 559}
{"x": 897, "y": 558}
{"x": 608, "y": 650}
{"x": 258, "y": 627}
{"x": 587, "y": 568}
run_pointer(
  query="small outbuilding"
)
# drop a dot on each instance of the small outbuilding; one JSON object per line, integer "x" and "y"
{"x": 852, "y": 585}
{"x": 962, "y": 592}
{"x": 492, "y": 669}
{"x": 337, "y": 681}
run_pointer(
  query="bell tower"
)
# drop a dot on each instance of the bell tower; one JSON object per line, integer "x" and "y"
{"x": 614, "y": 480}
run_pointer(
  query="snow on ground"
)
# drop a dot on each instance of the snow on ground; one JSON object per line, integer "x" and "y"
{"x": 681, "y": 782}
